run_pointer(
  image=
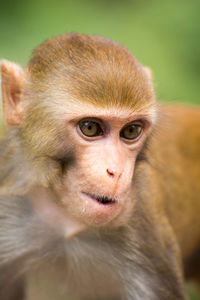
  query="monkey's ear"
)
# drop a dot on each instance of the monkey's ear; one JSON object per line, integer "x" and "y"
{"x": 149, "y": 72}
{"x": 12, "y": 82}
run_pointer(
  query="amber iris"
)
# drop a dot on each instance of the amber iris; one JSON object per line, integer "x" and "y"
{"x": 131, "y": 132}
{"x": 90, "y": 128}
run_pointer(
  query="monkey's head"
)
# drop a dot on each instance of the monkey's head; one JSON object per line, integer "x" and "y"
{"x": 84, "y": 107}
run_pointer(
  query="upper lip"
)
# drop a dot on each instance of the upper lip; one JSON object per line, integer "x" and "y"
{"x": 102, "y": 199}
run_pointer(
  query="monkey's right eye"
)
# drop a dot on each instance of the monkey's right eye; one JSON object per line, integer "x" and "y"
{"x": 90, "y": 128}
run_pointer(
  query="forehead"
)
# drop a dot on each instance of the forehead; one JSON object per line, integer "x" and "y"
{"x": 107, "y": 85}
{"x": 92, "y": 69}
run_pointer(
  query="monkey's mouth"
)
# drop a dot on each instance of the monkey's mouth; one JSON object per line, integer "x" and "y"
{"x": 101, "y": 199}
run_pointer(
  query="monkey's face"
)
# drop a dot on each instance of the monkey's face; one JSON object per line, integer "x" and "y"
{"x": 97, "y": 176}
{"x": 84, "y": 116}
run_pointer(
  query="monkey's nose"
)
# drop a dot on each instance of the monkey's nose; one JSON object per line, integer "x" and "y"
{"x": 113, "y": 173}
{"x": 110, "y": 172}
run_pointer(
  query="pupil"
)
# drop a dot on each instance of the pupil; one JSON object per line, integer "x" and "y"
{"x": 89, "y": 127}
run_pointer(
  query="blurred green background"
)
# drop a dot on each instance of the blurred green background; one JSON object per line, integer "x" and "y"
{"x": 164, "y": 35}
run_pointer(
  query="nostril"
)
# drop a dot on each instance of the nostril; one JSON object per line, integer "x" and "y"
{"x": 111, "y": 173}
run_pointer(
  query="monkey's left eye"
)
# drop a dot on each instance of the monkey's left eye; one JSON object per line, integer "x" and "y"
{"x": 90, "y": 128}
{"x": 131, "y": 132}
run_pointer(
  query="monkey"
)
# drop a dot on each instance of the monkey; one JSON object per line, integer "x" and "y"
{"x": 99, "y": 184}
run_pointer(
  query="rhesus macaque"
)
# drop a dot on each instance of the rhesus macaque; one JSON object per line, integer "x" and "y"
{"x": 99, "y": 185}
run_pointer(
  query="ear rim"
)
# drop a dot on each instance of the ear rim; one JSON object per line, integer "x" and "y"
{"x": 12, "y": 83}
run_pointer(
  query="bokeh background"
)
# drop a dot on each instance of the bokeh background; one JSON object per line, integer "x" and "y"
{"x": 164, "y": 35}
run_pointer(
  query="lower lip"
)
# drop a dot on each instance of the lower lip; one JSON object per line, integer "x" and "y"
{"x": 99, "y": 202}
{"x": 99, "y": 207}
{"x": 97, "y": 213}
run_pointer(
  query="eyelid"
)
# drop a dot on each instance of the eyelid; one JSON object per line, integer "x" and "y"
{"x": 141, "y": 123}
{"x": 92, "y": 119}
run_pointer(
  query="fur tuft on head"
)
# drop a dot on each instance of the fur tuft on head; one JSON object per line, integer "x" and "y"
{"x": 93, "y": 69}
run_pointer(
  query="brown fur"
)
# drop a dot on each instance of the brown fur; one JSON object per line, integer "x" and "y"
{"x": 82, "y": 64}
